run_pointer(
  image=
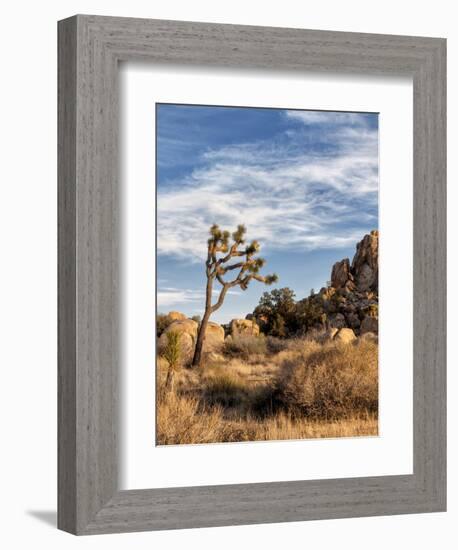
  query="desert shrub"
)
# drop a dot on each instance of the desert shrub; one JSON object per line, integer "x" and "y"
{"x": 162, "y": 322}
{"x": 224, "y": 389}
{"x": 293, "y": 347}
{"x": 245, "y": 346}
{"x": 172, "y": 354}
{"x": 279, "y": 345}
{"x": 276, "y": 345}
{"x": 333, "y": 381}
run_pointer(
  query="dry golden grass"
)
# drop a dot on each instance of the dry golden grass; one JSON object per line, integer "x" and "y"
{"x": 282, "y": 426}
{"x": 304, "y": 390}
{"x": 182, "y": 420}
{"x": 245, "y": 347}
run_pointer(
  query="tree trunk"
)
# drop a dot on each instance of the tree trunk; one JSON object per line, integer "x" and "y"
{"x": 200, "y": 340}
{"x": 203, "y": 325}
{"x": 209, "y": 309}
{"x": 170, "y": 379}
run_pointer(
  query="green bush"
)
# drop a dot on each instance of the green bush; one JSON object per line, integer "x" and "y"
{"x": 172, "y": 354}
{"x": 172, "y": 350}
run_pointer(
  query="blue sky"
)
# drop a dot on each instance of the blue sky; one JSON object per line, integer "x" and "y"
{"x": 305, "y": 184}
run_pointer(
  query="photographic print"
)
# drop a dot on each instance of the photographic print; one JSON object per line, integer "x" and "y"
{"x": 266, "y": 274}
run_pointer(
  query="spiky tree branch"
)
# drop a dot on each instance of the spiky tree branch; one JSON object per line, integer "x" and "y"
{"x": 220, "y": 252}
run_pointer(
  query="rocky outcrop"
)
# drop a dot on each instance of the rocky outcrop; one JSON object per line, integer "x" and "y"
{"x": 351, "y": 299}
{"x": 354, "y": 288}
{"x": 186, "y": 325}
{"x": 369, "y": 324}
{"x": 176, "y": 316}
{"x": 214, "y": 337}
{"x": 364, "y": 266}
{"x": 341, "y": 274}
{"x": 188, "y": 334}
{"x": 353, "y": 320}
{"x": 337, "y": 320}
{"x": 362, "y": 275}
{"x": 244, "y": 327}
{"x": 188, "y": 330}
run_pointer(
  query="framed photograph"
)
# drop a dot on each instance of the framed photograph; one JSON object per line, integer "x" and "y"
{"x": 252, "y": 275}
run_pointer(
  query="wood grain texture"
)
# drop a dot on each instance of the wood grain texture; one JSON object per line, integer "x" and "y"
{"x": 67, "y": 437}
{"x": 90, "y": 48}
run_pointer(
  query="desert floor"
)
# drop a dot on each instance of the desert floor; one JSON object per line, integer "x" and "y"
{"x": 269, "y": 389}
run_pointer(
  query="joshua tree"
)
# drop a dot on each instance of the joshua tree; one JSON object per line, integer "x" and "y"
{"x": 220, "y": 253}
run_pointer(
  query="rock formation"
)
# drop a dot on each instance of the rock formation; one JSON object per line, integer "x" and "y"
{"x": 369, "y": 324}
{"x": 351, "y": 299}
{"x": 244, "y": 327}
{"x": 354, "y": 288}
{"x": 187, "y": 337}
{"x": 364, "y": 266}
{"x": 344, "y": 335}
{"x": 188, "y": 330}
{"x": 214, "y": 336}
{"x": 176, "y": 316}
{"x": 363, "y": 272}
{"x": 341, "y": 274}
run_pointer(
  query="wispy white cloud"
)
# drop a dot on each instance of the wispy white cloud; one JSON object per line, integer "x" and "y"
{"x": 288, "y": 195}
{"x": 328, "y": 117}
{"x": 169, "y": 296}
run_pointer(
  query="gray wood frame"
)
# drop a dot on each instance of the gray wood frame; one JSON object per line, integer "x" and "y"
{"x": 90, "y": 48}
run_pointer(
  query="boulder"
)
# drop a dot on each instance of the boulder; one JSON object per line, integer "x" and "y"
{"x": 341, "y": 273}
{"x": 369, "y": 324}
{"x": 327, "y": 293}
{"x": 176, "y": 316}
{"x": 186, "y": 345}
{"x": 344, "y": 335}
{"x": 187, "y": 326}
{"x": 353, "y": 320}
{"x": 365, "y": 263}
{"x": 244, "y": 327}
{"x": 214, "y": 336}
{"x": 349, "y": 286}
{"x": 337, "y": 321}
